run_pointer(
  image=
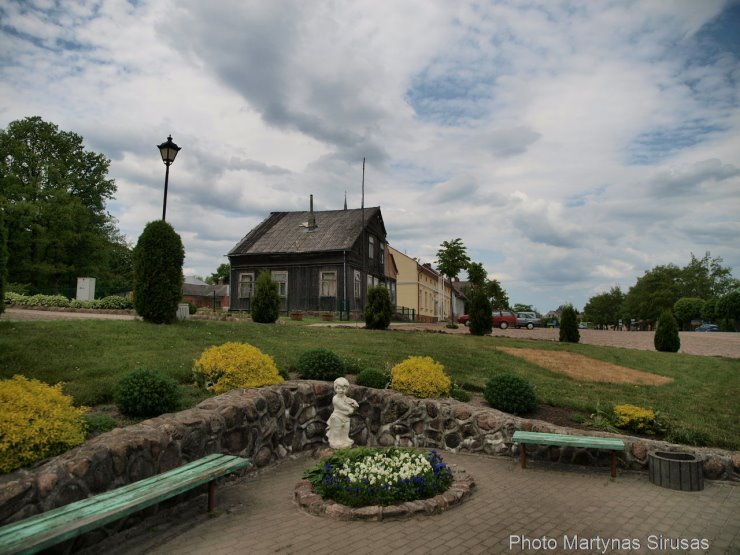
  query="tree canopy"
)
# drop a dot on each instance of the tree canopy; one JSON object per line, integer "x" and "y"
{"x": 223, "y": 272}
{"x": 54, "y": 192}
{"x": 605, "y": 309}
{"x": 452, "y": 257}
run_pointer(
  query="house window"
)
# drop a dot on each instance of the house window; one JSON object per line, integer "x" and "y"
{"x": 358, "y": 284}
{"x": 371, "y": 248}
{"x": 246, "y": 286}
{"x": 281, "y": 278}
{"x": 382, "y": 254}
{"x": 328, "y": 285}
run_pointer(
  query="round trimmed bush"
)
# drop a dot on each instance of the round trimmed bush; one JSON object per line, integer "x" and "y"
{"x": 510, "y": 393}
{"x": 37, "y": 421}
{"x": 320, "y": 364}
{"x": 233, "y": 365}
{"x": 370, "y": 377}
{"x": 147, "y": 393}
{"x": 421, "y": 377}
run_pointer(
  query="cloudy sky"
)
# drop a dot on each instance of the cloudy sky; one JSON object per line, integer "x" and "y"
{"x": 570, "y": 145}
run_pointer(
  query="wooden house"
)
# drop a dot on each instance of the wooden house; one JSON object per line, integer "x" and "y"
{"x": 323, "y": 261}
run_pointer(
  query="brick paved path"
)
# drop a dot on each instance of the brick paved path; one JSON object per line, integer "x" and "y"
{"x": 559, "y": 503}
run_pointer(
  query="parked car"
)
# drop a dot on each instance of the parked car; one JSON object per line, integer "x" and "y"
{"x": 527, "y": 320}
{"x": 499, "y": 318}
{"x": 708, "y": 327}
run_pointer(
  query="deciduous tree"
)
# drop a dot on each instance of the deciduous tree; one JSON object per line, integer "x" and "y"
{"x": 605, "y": 309}
{"x": 452, "y": 257}
{"x": 54, "y": 194}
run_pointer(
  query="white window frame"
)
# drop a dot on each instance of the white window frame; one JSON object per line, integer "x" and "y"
{"x": 327, "y": 283}
{"x": 358, "y": 284}
{"x": 277, "y": 276}
{"x": 246, "y": 286}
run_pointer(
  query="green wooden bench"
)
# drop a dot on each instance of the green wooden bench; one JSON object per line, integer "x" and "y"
{"x": 64, "y": 523}
{"x": 561, "y": 440}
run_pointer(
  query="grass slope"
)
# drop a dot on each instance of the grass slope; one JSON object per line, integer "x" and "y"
{"x": 90, "y": 357}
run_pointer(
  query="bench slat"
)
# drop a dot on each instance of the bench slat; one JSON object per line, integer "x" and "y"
{"x": 69, "y": 521}
{"x": 569, "y": 440}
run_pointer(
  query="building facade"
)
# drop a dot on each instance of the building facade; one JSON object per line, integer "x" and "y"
{"x": 423, "y": 293}
{"x": 323, "y": 261}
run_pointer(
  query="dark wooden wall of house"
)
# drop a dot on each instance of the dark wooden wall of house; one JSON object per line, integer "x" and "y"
{"x": 304, "y": 272}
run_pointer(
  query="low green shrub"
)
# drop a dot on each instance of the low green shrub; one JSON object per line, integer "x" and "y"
{"x": 371, "y": 377}
{"x": 459, "y": 394}
{"x": 49, "y": 300}
{"x": 145, "y": 392}
{"x": 510, "y": 393}
{"x": 232, "y": 365}
{"x": 36, "y": 421}
{"x": 99, "y": 423}
{"x": 114, "y": 302}
{"x": 319, "y": 364}
{"x": 192, "y": 309}
{"x": 15, "y": 298}
{"x": 421, "y": 377}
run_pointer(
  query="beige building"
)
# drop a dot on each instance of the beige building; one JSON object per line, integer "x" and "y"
{"x": 422, "y": 292}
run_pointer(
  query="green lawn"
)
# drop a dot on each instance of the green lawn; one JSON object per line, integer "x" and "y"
{"x": 90, "y": 356}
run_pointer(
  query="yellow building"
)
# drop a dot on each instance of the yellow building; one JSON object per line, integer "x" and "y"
{"x": 422, "y": 292}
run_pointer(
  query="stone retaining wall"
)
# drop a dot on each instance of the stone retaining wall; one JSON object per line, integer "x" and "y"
{"x": 269, "y": 423}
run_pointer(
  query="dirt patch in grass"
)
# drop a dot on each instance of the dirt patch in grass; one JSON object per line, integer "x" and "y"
{"x": 583, "y": 368}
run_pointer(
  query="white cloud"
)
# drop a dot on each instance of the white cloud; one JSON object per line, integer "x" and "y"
{"x": 571, "y": 146}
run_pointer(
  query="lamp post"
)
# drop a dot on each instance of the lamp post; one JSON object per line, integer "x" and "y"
{"x": 168, "y": 150}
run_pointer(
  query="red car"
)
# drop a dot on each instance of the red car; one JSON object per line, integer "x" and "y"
{"x": 500, "y": 319}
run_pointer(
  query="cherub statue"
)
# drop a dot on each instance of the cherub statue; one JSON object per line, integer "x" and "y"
{"x": 338, "y": 424}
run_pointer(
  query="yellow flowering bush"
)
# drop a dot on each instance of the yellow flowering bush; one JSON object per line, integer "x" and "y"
{"x": 36, "y": 421}
{"x": 420, "y": 377}
{"x": 637, "y": 419}
{"x": 233, "y": 365}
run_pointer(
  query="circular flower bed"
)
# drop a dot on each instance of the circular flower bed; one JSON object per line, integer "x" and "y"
{"x": 380, "y": 484}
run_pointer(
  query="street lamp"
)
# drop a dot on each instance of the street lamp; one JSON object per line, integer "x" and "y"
{"x": 168, "y": 150}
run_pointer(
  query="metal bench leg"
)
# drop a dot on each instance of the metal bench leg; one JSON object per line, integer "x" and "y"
{"x": 211, "y": 495}
{"x": 614, "y": 464}
{"x": 523, "y": 455}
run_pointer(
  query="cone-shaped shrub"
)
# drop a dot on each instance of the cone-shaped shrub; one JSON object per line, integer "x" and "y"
{"x": 666, "y": 334}
{"x": 378, "y": 308}
{"x": 266, "y": 300}
{"x": 569, "y": 326}
{"x": 480, "y": 313}
{"x": 158, "y": 259}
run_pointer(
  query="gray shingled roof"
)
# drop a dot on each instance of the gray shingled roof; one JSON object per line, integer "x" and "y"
{"x": 287, "y": 232}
